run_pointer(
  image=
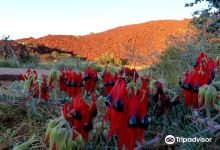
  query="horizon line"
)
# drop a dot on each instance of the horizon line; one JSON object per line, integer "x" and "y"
{"x": 92, "y": 32}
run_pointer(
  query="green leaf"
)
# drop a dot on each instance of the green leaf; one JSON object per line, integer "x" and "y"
{"x": 34, "y": 110}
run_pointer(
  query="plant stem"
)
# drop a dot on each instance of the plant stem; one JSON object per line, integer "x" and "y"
{"x": 165, "y": 121}
{"x": 216, "y": 117}
{"x": 29, "y": 122}
{"x": 208, "y": 113}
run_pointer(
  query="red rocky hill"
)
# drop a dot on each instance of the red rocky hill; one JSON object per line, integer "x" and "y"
{"x": 145, "y": 39}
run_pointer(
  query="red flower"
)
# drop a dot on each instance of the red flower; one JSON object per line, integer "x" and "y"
{"x": 203, "y": 73}
{"x": 108, "y": 81}
{"x": 142, "y": 96}
{"x": 69, "y": 75}
{"x": 44, "y": 89}
{"x": 90, "y": 77}
{"x": 33, "y": 87}
{"x": 77, "y": 79}
{"x": 128, "y": 117}
{"x": 22, "y": 77}
{"x": 28, "y": 71}
{"x": 79, "y": 115}
{"x": 117, "y": 102}
{"x": 63, "y": 78}
{"x": 129, "y": 73}
{"x": 188, "y": 85}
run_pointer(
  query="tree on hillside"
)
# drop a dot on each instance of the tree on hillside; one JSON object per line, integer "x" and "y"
{"x": 207, "y": 22}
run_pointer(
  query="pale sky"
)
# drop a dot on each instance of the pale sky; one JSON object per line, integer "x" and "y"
{"x": 36, "y": 18}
